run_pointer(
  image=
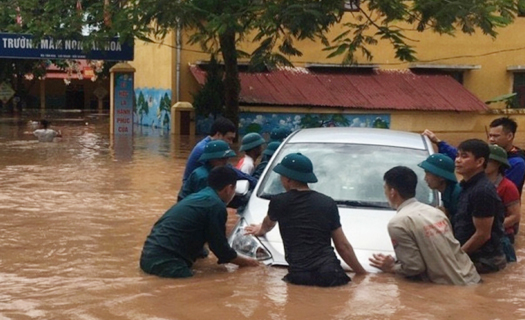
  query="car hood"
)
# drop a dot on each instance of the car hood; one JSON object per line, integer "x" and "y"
{"x": 365, "y": 229}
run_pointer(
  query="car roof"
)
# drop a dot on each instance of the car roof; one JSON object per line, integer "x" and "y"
{"x": 368, "y": 136}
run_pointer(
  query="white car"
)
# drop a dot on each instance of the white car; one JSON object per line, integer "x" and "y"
{"x": 349, "y": 164}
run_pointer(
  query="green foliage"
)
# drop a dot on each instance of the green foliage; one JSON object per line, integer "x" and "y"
{"x": 210, "y": 98}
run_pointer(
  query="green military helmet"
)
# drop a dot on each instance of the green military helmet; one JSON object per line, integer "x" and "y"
{"x": 296, "y": 167}
{"x": 251, "y": 140}
{"x": 499, "y": 154}
{"x": 271, "y": 148}
{"x": 440, "y": 165}
{"x": 279, "y": 134}
{"x": 216, "y": 149}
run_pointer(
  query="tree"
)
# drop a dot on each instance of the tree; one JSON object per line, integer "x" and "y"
{"x": 210, "y": 98}
{"x": 219, "y": 26}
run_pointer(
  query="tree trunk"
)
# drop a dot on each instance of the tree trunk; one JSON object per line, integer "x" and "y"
{"x": 232, "y": 84}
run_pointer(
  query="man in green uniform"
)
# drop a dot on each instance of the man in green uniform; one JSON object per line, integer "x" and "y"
{"x": 216, "y": 154}
{"x": 177, "y": 238}
{"x": 439, "y": 175}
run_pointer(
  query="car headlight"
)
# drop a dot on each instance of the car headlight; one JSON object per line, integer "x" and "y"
{"x": 248, "y": 245}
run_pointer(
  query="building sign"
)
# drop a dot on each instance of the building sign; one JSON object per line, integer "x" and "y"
{"x": 23, "y": 46}
{"x": 123, "y": 117}
{"x": 6, "y": 92}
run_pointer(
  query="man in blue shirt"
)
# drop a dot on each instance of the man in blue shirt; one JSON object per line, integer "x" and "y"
{"x": 221, "y": 129}
{"x": 177, "y": 238}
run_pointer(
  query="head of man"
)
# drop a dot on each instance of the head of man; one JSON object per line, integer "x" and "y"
{"x": 223, "y": 129}
{"x": 44, "y": 124}
{"x": 502, "y": 132}
{"x": 439, "y": 171}
{"x": 216, "y": 153}
{"x": 498, "y": 161}
{"x": 223, "y": 180}
{"x": 252, "y": 144}
{"x": 296, "y": 171}
{"x": 400, "y": 185}
{"x": 472, "y": 157}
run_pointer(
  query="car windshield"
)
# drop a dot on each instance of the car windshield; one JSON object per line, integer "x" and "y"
{"x": 352, "y": 174}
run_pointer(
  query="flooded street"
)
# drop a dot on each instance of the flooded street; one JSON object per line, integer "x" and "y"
{"x": 74, "y": 215}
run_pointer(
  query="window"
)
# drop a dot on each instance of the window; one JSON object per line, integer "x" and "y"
{"x": 519, "y": 87}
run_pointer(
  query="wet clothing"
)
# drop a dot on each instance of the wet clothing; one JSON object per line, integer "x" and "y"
{"x": 45, "y": 135}
{"x": 516, "y": 157}
{"x": 193, "y": 160}
{"x": 306, "y": 221}
{"x": 257, "y": 173}
{"x": 178, "y": 237}
{"x": 479, "y": 199}
{"x": 450, "y": 197}
{"x": 246, "y": 165}
{"x": 510, "y": 196}
{"x": 197, "y": 181}
{"x": 425, "y": 246}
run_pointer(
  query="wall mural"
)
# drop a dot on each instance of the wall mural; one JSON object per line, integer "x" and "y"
{"x": 152, "y": 107}
{"x": 263, "y": 123}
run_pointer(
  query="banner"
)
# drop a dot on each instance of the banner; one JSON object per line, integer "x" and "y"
{"x": 23, "y": 46}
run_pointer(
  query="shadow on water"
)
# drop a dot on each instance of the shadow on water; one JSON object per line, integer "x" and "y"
{"x": 74, "y": 215}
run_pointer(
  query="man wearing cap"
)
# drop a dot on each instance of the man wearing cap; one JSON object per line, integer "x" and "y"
{"x": 216, "y": 154}
{"x": 252, "y": 146}
{"x": 507, "y": 191}
{"x": 422, "y": 237}
{"x": 308, "y": 222}
{"x": 177, "y": 238}
{"x": 265, "y": 159}
{"x": 439, "y": 175}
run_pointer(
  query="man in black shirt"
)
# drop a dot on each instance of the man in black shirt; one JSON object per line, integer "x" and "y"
{"x": 478, "y": 223}
{"x": 308, "y": 222}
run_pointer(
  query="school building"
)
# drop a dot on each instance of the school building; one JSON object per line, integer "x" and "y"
{"x": 445, "y": 90}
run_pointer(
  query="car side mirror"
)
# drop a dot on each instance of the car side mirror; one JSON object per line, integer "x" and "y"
{"x": 242, "y": 187}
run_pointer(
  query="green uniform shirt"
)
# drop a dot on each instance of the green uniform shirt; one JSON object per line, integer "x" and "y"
{"x": 184, "y": 229}
{"x": 197, "y": 181}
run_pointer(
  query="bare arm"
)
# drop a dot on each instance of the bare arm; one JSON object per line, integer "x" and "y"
{"x": 260, "y": 230}
{"x": 514, "y": 215}
{"x": 345, "y": 250}
{"x": 483, "y": 230}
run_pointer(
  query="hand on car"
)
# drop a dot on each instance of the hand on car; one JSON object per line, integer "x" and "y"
{"x": 253, "y": 229}
{"x": 384, "y": 262}
{"x": 431, "y": 135}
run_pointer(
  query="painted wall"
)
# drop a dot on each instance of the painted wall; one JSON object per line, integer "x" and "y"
{"x": 152, "y": 107}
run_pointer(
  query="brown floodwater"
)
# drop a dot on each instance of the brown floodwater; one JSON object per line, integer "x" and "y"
{"x": 74, "y": 215}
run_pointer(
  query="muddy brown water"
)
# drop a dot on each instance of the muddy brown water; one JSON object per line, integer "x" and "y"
{"x": 74, "y": 215}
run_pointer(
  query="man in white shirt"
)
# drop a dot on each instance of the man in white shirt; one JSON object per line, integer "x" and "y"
{"x": 44, "y": 134}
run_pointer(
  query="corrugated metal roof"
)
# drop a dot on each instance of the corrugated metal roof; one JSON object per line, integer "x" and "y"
{"x": 379, "y": 90}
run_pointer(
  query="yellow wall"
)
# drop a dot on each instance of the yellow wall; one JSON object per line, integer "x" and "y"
{"x": 155, "y": 64}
